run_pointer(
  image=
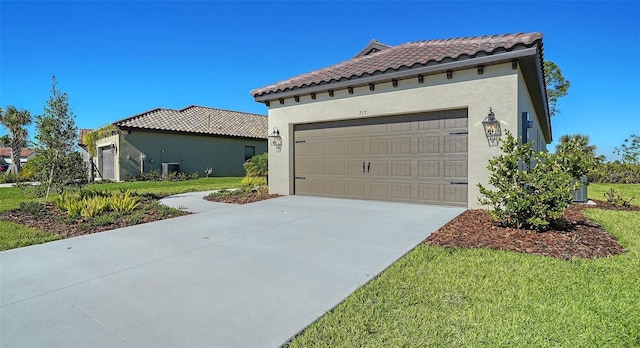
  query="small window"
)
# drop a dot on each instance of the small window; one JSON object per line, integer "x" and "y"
{"x": 249, "y": 151}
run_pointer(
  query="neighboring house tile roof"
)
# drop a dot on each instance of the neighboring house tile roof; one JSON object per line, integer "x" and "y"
{"x": 200, "y": 120}
{"x": 25, "y": 152}
{"x": 378, "y": 58}
{"x": 81, "y": 135}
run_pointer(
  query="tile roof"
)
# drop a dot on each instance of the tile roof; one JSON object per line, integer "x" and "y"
{"x": 405, "y": 56}
{"x": 200, "y": 120}
{"x": 6, "y": 152}
{"x": 81, "y": 134}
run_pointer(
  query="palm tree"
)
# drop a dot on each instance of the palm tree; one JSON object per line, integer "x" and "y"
{"x": 15, "y": 121}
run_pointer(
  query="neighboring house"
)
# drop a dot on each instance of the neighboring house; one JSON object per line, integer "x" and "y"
{"x": 25, "y": 155}
{"x": 404, "y": 123}
{"x": 188, "y": 140}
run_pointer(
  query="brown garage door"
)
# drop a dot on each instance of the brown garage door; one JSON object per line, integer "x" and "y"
{"x": 418, "y": 158}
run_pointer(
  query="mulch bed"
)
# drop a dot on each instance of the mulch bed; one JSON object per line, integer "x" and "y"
{"x": 50, "y": 220}
{"x": 578, "y": 237}
{"x": 243, "y": 198}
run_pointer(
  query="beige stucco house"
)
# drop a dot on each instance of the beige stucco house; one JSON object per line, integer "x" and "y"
{"x": 404, "y": 123}
{"x": 189, "y": 140}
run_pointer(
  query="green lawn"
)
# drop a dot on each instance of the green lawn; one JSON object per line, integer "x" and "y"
{"x": 14, "y": 235}
{"x": 597, "y": 191}
{"x": 437, "y": 297}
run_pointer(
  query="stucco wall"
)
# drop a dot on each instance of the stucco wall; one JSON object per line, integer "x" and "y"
{"x": 194, "y": 153}
{"x": 526, "y": 105}
{"x": 496, "y": 88}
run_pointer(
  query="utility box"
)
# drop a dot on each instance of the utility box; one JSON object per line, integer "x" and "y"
{"x": 580, "y": 195}
{"x": 168, "y": 168}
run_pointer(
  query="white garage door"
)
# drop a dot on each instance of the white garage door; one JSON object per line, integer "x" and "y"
{"x": 418, "y": 158}
{"x": 107, "y": 163}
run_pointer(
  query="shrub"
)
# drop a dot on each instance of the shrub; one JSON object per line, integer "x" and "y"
{"x": 257, "y": 169}
{"x": 257, "y": 165}
{"x": 253, "y": 181}
{"x": 124, "y": 202}
{"x": 532, "y": 188}
{"x": 31, "y": 207}
{"x": 94, "y": 206}
{"x": 152, "y": 175}
{"x": 8, "y": 177}
{"x": 28, "y": 171}
{"x": 72, "y": 205}
{"x": 616, "y": 198}
{"x": 104, "y": 220}
{"x": 616, "y": 173}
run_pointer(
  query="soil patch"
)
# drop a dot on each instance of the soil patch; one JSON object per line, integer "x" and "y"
{"x": 577, "y": 237}
{"x": 240, "y": 197}
{"x": 52, "y": 220}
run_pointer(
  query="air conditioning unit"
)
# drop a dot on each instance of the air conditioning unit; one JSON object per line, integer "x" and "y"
{"x": 168, "y": 168}
{"x": 580, "y": 195}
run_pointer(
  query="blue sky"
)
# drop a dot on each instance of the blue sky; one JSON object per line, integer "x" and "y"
{"x": 120, "y": 58}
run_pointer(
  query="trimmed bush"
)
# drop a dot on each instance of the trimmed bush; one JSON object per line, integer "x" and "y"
{"x": 532, "y": 189}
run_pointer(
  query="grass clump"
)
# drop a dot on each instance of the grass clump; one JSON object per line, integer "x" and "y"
{"x": 14, "y": 235}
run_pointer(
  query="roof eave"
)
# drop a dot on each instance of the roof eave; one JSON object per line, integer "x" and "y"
{"x": 425, "y": 70}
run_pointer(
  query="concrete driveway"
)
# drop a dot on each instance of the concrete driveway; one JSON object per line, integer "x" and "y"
{"x": 229, "y": 276}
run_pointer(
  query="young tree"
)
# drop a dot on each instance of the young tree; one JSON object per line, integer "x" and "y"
{"x": 15, "y": 121}
{"x": 557, "y": 86}
{"x": 59, "y": 163}
{"x": 577, "y": 155}
{"x": 629, "y": 150}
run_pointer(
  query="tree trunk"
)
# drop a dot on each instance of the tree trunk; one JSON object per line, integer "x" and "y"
{"x": 15, "y": 165}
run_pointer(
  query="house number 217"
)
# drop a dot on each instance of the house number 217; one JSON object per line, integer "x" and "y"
{"x": 362, "y": 112}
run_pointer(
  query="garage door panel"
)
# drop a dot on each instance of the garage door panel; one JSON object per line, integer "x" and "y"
{"x": 337, "y": 148}
{"x": 318, "y": 149}
{"x": 355, "y": 189}
{"x": 429, "y": 192}
{"x": 429, "y": 124}
{"x": 379, "y": 147}
{"x": 429, "y": 145}
{"x": 379, "y": 190}
{"x": 455, "y": 193}
{"x": 454, "y": 123}
{"x": 302, "y": 149}
{"x": 401, "y": 168}
{"x": 337, "y": 168}
{"x": 401, "y": 127}
{"x": 338, "y": 188}
{"x": 456, "y": 144}
{"x": 414, "y": 158}
{"x": 429, "y": 169}
{"x": 455, "y": 169}
{"x": 401, "y": 191}
{"x": 356, "y": 147}
{"x": 357, "y": 167}
{"x": 318, "y": 186}
{"x": 401, "y": 146}
{"x": 318, "y": 168}
{"x": 378, "y": 168}
{"x": 302, "y": 168}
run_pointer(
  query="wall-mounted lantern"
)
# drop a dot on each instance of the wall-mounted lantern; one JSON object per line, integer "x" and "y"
{"x": 275, "y": 139}
{"x": 492, "y": 128}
